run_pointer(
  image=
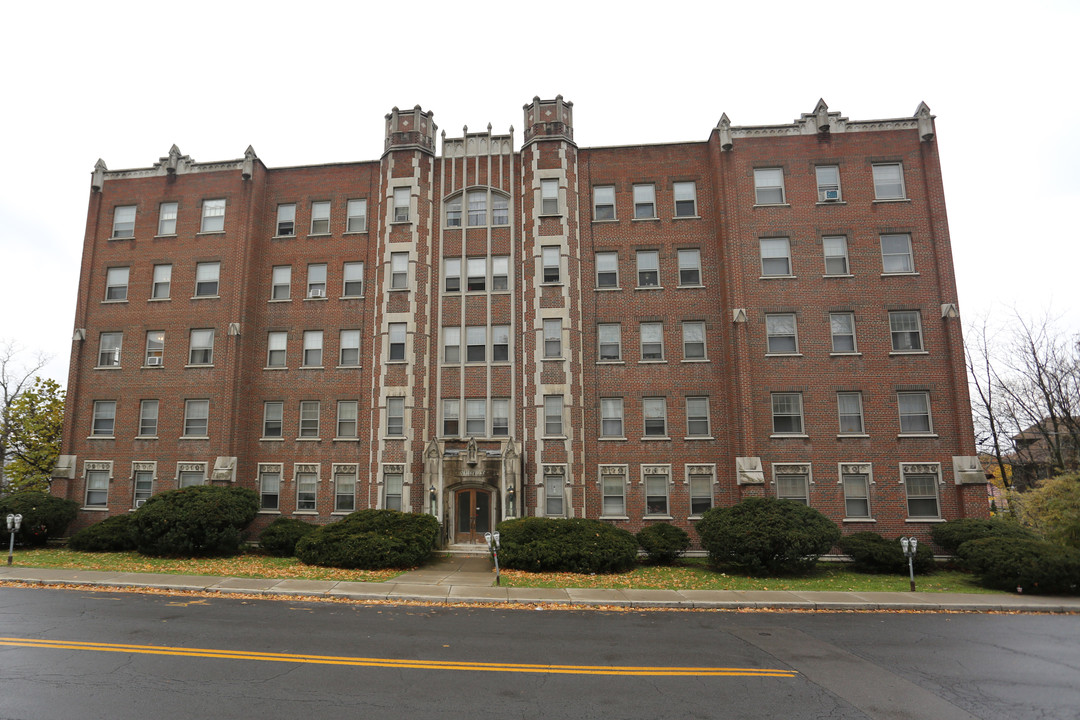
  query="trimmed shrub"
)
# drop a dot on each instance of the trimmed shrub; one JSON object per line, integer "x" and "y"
{"x": 871, "y": 553}
{"x": 280, "y": 537}
{"x": 370, "y": 540}
{"x": 951, "y": 535}
{"x": 767, "y": 536}
{"x": 663, "y": 543}
{"x": 1023, "y": 565}
{"x": 198, "y": 521}
{"x": 110, "y": 535}
{"x": 573, "y": 545}
{"x": 44, "y": 516}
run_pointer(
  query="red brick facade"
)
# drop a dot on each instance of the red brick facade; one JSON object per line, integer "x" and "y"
{"x": 629, "y": 333}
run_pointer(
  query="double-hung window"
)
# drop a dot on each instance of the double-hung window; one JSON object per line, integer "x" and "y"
{"x": 551, "y": 263}
{"x": 693, "y": 336}
{"x": 850, "y": 411}
{"x": 451, "y": 413}
{"x": 272, "y": 419}
{"x": 656, "y": 489}
{"x": 116, "y": 283}
{"x": 842, "y": 330}
{"x": 476, "y": 418}
{"x": 281, "y": 282}
{"x": 347, "y": 419}
{"x": 689, "y": 267}
{"x": 97, "y": 488}
{"x": 402, "y": 200}
{"x": 213, "y": 216}
{"x": 452, "y": 274}
{"x": 500, "y": 273}
{"x": 604, "y": 202}
{"x": 306, "y": 490}
{"x": 148, "y": 418}
{"x": 316, "y": 280}
{"x": 124, "y": 222}
{"x": 701, "y": 493}
{"x": 352, "y": 279}
{"x": 155, "y": 347}
{"x": 320, "y": 218}
{"x": 399, "y": 271}
{"x": 697, "y": 416}
{"x": 276, "y": 343}
{"x": 828, "y": 183}
{"x": 476, "y": 274}
{"x": 500, "y": 343}
{"x": 922, "y": 495}
{"x": 775, "y": 257}
{"x": 356, "y": 216}
{"x": 856, "y": 495}
{"x": 552, "y": 338}
{"x": 500, "y": 210}
{"x": 167, "y": 218}
{"x": 201, "y": 347}
{"x": 477, "y": 200}
{"x": 554, "y": 485}
{"x": 161, "y": 288}
{"x": 207, "y": 275}
{"x": 609, "y": 341}
{"x": 345, "y": 488}
{"x": 836, "y": 255}
{"x": 793, "y": 486}
{"x": 613, "y": 489}
{"x": 905, "y": 327}
{"x": 104, "y": 422}
{"x": 196, "y": 418}
{"x": 889, "y": 181}
{"x": 685, "y": 199}
{"x": 644, "y": 202}
{"x": 769, "y": 186}
{"x": 896, "y": 257}
{"x": 655, "y": 412}
{"x": 549, "y": 197}
{"x": 781, "y": 334}
{"x": 286, "y": 220}
{"x": 607, "y": 270}
{"x": 109, "y": 349}
{"x": 313, "y": 348}
{"x": 648, "y": 268}
{"x": 396, "y": 350}
{"x": 914, "y": 413}
{"x": 500, "y": 417}
{"x": 393, "y": 489}
{"x": 553, "y": 415}
{"x": 451, "y": 345}
{"x": 611, "y": 417}
{"x": 475, "y": 343}
{"x": 453, "y": 212}
{"x": 652, "y": 341}
{"x": 787, "y": 413}
{"x": 349, "y": 348}
{"x": 310, "y": 410}
{"x": 144, "y": 486}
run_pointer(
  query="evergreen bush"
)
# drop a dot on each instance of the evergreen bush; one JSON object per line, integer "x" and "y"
{"x": 43, "y": 516}
{"x": 280, "y": 537}
{"x": 871, "y": 553}
{"x": 198, "y": 521}
{"x": 663, "y": 543}
{"x": 370, "y": 540}
{"x": 112, "y": 534}
{"x": 1023, "y": 565}
{"x": 571, "y": 545}
{"x": 954, "y": 533}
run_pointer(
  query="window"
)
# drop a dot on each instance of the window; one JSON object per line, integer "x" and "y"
{"x": 906, "y": 329}
{"x": 769, "y": 186}
{"x": 272, "y": 419}
{"x": 452, "y": 345}
{"x": 476, "y": 279}
{"x": 116, "y": 283}
{"x": 345, "y": 488}
{"x": 656, "y": 490}
{"x": 320, "y": 218}
{"x": 787, "y": 417}
{"x": 856, "y": 495}
{"x": 549, "y": 197}
{"x": 611, "y": 417}
{"x": 396, "y": 333}
{"x": 701, "y": 493}
{"x": 842, "y": 329}
{"x": 553, "y": 495}
{"x": 828, "y": 183}
{"x": 793, "y": 486}
{"x": 353, "y": 279}
{"x": 500, "y": 210}
{"x": 553, "y": 338}
{"x": 309, "y": 418}
{"x": 281, "y": 282}
{"x": 475, "y": 418}
{"x": 167, "y": 218}
{"x": 836, "y": 255}
{"x": 922, "y": 499}
{"x": 477, "y": 200}
{"x": 655, "y": 412}
{"x": 500, "y": 417}
{"x": 97, "y": 488}
{"x": 392, "y": 490}
{"x": 161, "y": 288}
{"x": 451, "y": 413}
{"x": 286, "y": 220}
{"x": 604, "y": 202}
{"x": 201, "y": 347}
{"x": 395, "y": 416}
{"x": 269, "y": 487}
{"x": 775, "y": 257}
{"x": 104, "y": 418}
{"x": 475, "y": 343}
{"x": 399, "y": 271}
{"x": 349, "y": 348}
{"x": 148, "y": 418}
{"x": 346, "y": 418}
{"x": 613, "y": 489}
{"x": 550, "y": 255}
{"x": 609, "y": 340}
{"x": 109, "y": 349}
{"x": 276, "y": 343}
{"x": 316, "y": 280}
{"x": 206, "y": 279}
{"x": 648, "y": 268}
{"x": 896, "y": 254}
{"x": 889, "y": 182}
{"x": 196, "y": 418}
{"x": 849, "y": 409}
{"x": 144, "y": 486}
{"x": 155, "y": 347}
{"x": 213, "y": 216}
{"x": 697, "y": 416}
{"x": 401, "y": 204}
{"x": 452, "y": 274}
{"x": 306, "y": 485}
{"x": 689, "y": 267}
{"x": 453, "y": 212}
{"x": 607, "y": 270}
{"x": 781, "y": 334}
{"x": 500, "y": 273}
{"x": 500, "y": 343}
{"x": 914, "y": 413}
{"x": 313, "y": 348}
{"x": 685, "y": 199}
{"x": 190, "y": 478}
{"x": 356, "y": 216}
{"x": 553, "y": 415}
{"x": 644, "y": 202}
{"x": 693, "y": 340}
{"x": 652, "y": 341}
{"x": 124, "y": 222}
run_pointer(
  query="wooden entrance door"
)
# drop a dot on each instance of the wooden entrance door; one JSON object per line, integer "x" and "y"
{"x": 473, "y": 509}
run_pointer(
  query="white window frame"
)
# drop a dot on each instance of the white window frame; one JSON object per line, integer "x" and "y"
{"x": 837, "y": 320}
{"x": 697, "y": 413}
{"x": 648, "y": 268}
{"x": 549, "y": 196}
{"x": 190, "y": 474}
{"x": 554, "y": 491}
{"x": 653, "y": 479}
{"x": 270, "y": 486}
{"x": 451, "y": 417}
{"x": 196, "y": 417}
{"x": 117, "y": 279}
{"x": 397, "y": 336}
{"x": 313, "y": 349}
{"x": 310, "y": 419}
{"x": 774, "y": 249}
{"x": 149, "y": 412}
{"x": 399, "y": 271}
{"x": 393, "y": 490}
{"x": 277, "y": 343}
{"x": 345, "y": 480}
{"x": 356, "y": 216}
{"x": 167, "y": 213}
{"x": 856, "y": 479}
{"x": 123, "y": 222}
{"x": 929, "y": 474}
{"x": 769, "y": 181}
{"x": 476, "y": 270}
{"x": 654, "y": 417}
{"x": 906, "y": 339}
{"x": 886, "y": 187}
{"x": 781, "y": 334}
{"x": 452, "y": 275}
{"x": 685, "y": 193}
{"x": 652, "y": 337}
{"x": 789, "y": 471}
{"x": 352, "y": 279}
{"x": 110, "y": 347}
{"x": 828, "y": 183}
{"x": 500, "y": 343}
{"x": 103, "y": 422}
{"x": 476, "y": 206}
{"x": 395, "y": 416}
{"x": 898, "y": 258}
{"x": 612, "y": 412}
{"x": 475, "y": 343}
{"x": 644, "y": 201}
{"x": 97, "y": 475}
{"x": 348, "y": 344}
{"x": 500, "y": 273}
{"x": 849, "y": 413}
{"x": 606, "y": 276}
{"x": 500, "y": 209}
{"x": 348, "y": 411}
{"x": 451, "y": 345}
{"x": 700, "y": 482}
{"x": 320, "y": 217}
{"x": 273, "y": 414}
{"x": 143, "y": 477}
{"x": 553, "y": 416}
{"x": 788, "y": 405}
{"x": 475, "y": 417}
{"x": 155, "y": 348}
{"x": 500, "y": 417}
{"x": 402, "y": 204}
{"x": 213, "y": 216}
{"x": 280, "y": 283}
{"x": 613, "y": 333}
{"x": 610, "y": 479}
{"x": 207, "y": 279}
{"x": 909, "y": 425}
{"x": 689, "y": 267}
{"x": 161, "y": 288}
{"x": 306, "y": 479}
{"x": 551, "y": 264}
{"x": 316, "y": 281}
{"x": 201, "y": 340}
{"x": 453, "y": 211}
{"x": 553, "y": 341}
{"x": 286, "y": 220}
{"x": 690, "y": 343}
{"x": 835, "y": 252}
{"x": 604, "y": 203}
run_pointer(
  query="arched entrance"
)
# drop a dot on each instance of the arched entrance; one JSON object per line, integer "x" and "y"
{"x": 473, "y": 514}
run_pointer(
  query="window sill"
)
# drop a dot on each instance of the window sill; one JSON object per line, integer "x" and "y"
{"x": 614, "y": 517}
{"x": 396, "y": 362}
{"x": 846, "y": 275}
{"x": 552, "y": 283}
{"x": 656, "y": 438}
{"x": 607, "y": 289}
{"x": 283, "y": 237}
{"x": 108, "y": 367}
{"x": 691, "y": 438}
{"x": 205, "y": 297}
{"x": 346, "y": 367}
{"x": 95, "y": 508}
{"x": 783, "y": 204}
{"x": 845, "y": 354}
{"x": 917, "y": 435}
{"x": 877, "y": 201}
{"x": 831, "y": 202}
{"x": 554, "y": 359}
{"x": 318, "y": 235}
{"x": 198, "y": 366}
{"x": 690, "y": 287}
{"x": 146, "y": 437}
{"x": 116, "y": 238}
{"x": 909, "y": 352}
{"x": 351, "y": 297}
{"x": 311, "y": 367}
{"x": 275, "y": 367}
{"x": 160, "y": 237}
{"x": 398, "y": 290}
{"x": 164, "y": 299}
{"x": 342, "y": 512}
{"x": 101, "y": 437}
{"x": 271, "y": 439}
{"x": 305, "y": 512}
{"x": 403, "y": 222}
{"x": 280, "y": 300}
{"x": 686, "y": 217}
{"x": 649, "y": 287}
{"x": 604, "y": 220}
{"x": 553, "y": 437}
{"x": 345, "y": 439}
{"x": 309, "y": 439}
{"x": 668, "y": 518}
{"x": 550, "y": 215}
{"x": 114, "y": 302}
{"x": 610, "y": 362}
{"x": 159, "y": 366}
{"x": 789, "y": 436}
{"x": 900, "y": 274}
{"x": 652, "y": 362}
{"x": 859, "y": 520}
{"x": 925, "y": 520}
{"x": 193, "y": 437}
{"x": 777, "y": 277}
{"x": 269, "y": 512}
{"x": 645, "y": 219}
{"x": 851, "y": 435}
{"x": 356, "y": 232}
{"x": 402, "y": 437}
{"x": 209, "y": 232}
{"x": 611, "y": 439}
{"x": 794, "y": 354}
{"x": 316, "y": 298}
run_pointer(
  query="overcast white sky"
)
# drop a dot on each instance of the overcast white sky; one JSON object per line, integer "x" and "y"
{"x": 310, "y": 83}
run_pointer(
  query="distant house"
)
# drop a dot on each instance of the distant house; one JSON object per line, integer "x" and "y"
{"x": 1045, "y": 449}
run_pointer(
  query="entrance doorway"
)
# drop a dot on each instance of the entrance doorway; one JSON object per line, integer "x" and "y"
{"x": 473, "y": 509}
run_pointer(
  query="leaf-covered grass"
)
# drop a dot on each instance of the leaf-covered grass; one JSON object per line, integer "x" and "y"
{"x": 249, "y": 565}
{"x": 695, "y": 574}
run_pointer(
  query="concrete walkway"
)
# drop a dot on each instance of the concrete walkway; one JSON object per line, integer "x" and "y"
{"x": 459, "y": 579}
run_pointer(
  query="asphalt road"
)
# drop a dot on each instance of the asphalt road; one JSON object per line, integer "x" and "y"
{"x": 76, "y": 654}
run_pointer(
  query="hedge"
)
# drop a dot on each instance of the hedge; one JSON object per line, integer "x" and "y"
{"x": 871, "y": 553}
{"x": 280, "y": 537}
{"x": 203, "y": 520}
{"x": 1023, "y": 565}
{"x": 112, "y": 534}
{"x": 954, "y": 533}
{"x": 566, "y": 545}
{"x": 43, "y": 516}
{"x": 663, "y": 543}
{"x": 370, "y": 540}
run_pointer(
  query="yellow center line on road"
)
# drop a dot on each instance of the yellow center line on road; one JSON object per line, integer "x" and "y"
{"x": 398, "y": 663}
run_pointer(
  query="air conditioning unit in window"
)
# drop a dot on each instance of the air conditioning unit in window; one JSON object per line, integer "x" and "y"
{"x": 830, "y": 195}
{"x": 317, "y": 293}
{"x": 153, "y": 361}
{"x": 139, "y": 503}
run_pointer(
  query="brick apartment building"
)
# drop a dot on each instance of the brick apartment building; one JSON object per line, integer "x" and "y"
{"x": 632, "y": 333}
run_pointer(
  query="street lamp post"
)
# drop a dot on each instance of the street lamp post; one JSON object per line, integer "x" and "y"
{"x": 909, "y": 545}
{"x": 14, "y": 522}
{"x": 493, "y": 546}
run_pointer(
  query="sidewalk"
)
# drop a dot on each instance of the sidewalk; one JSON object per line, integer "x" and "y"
{"x": 471, "y": 580}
